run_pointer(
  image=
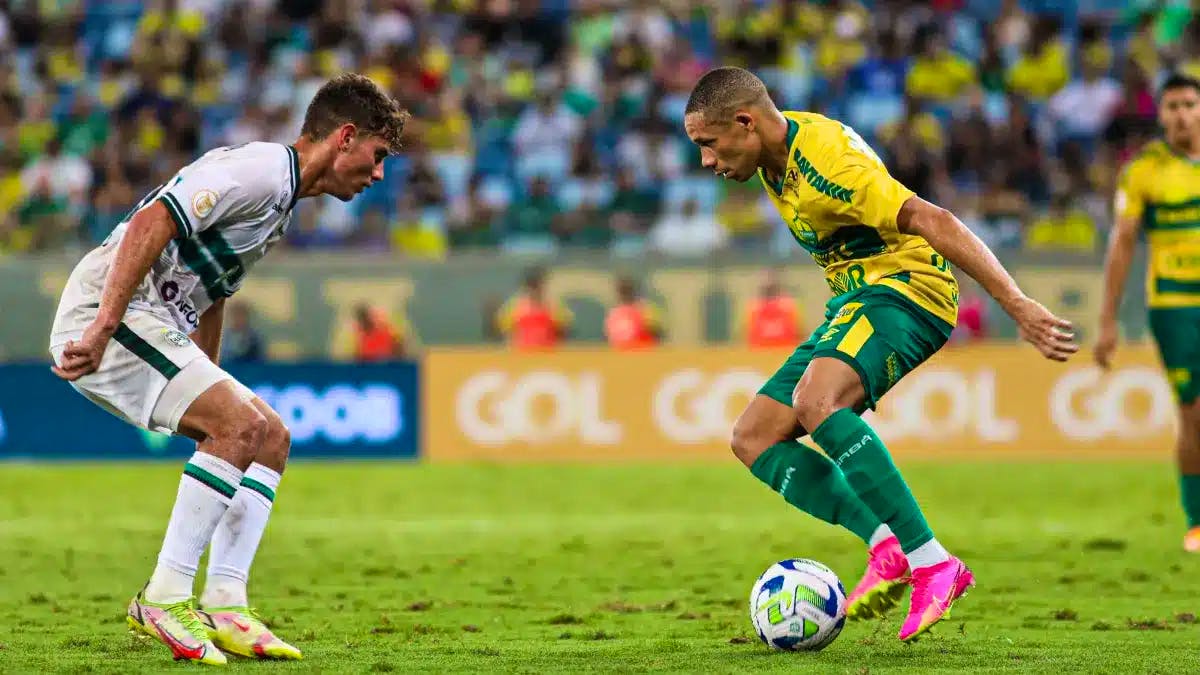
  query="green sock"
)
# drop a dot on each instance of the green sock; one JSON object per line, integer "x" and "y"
{"x": 868, "y": 467}
{"x": 809, "y": 481}
{"x": 1189, "y": 489}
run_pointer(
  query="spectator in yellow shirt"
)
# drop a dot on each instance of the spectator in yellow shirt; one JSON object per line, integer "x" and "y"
{"x": 918, "y": 123}
{"x": 843, "y": 46}
{"x": 1045, "y": 66}
{"x": 413, "y": 235}
{"x": 939, "y": 74}
{"x": 449, "y": 128}
{"x": 1065, "y": 227}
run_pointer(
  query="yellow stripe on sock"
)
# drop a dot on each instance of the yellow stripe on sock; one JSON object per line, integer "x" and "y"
{"x": 856, "y": 337}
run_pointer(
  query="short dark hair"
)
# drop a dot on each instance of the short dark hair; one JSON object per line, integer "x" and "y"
{"x": 722, "y": 90}
{"x": 1179, "y": 81}
{"x": 355, "y": 99}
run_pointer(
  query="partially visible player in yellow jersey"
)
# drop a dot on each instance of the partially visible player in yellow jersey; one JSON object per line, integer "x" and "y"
{"x": 886, "y": 255}
{"x": 1159, "y": 192}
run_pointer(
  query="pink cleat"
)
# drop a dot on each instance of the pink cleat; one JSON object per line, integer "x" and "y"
{"x": 935, "y": 588}
{"x": 1191, "y": 540}
{"x": 882, "y": 585}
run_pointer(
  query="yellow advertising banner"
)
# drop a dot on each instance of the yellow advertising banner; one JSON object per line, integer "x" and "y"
{"x": 680, "y": 403}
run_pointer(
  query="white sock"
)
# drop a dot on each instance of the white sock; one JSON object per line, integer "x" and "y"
{"x": 927, "y": 554}
{"x": 205, "y": 491}
{"x": 237, "y": 537}
{"x": 881, "y": 533}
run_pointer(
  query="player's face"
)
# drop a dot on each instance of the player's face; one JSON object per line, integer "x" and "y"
{"x": 1179, "y": 114}
{"x": 730, "y": 150}
{"x": 358, "y": 167}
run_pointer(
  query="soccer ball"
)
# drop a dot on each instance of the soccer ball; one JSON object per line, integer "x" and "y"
{"x": 798, "y": 605}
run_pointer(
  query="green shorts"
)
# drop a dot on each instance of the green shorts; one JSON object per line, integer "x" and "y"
{"x": 880, "y": 333}
{"x": 1177, "y": 332}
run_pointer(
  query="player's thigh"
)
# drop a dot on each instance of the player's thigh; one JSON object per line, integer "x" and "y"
{"x": 140, "y": 363}
{"x": 1177, "y": 335}
{"x": 769, "y": 417}
{"x": 869, "y": 345}
{"x": 781, "y": 383}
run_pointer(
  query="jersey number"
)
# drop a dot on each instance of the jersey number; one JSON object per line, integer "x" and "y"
{"x": 856, "y": 142}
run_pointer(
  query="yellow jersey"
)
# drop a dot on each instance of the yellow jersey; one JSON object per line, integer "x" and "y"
{"x": 840, "y": 204}
{"x": 1161, "y": 190}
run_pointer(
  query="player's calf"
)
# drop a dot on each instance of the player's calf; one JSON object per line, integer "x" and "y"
{"x": 237, "y": 537}
{"x": 764, "y": 440}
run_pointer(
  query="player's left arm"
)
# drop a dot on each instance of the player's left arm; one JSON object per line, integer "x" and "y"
{"x": 207, "y": 335}
{"x": 880, "y": 201}
{"x": 955, "y": 242}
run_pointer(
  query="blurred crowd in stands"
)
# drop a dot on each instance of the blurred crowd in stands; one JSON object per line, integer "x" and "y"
{"x": 546, "y": 125}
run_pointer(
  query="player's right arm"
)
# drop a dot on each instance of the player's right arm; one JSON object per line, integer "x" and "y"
{"x": 1121, "y": 244}
{"x": 148, "y": 233}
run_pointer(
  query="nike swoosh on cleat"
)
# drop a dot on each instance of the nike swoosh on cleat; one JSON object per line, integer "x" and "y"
{"x": 178, "y": 647}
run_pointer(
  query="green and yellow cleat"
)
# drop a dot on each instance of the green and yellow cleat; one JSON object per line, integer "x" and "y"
{"x": 177, "y": 626}
{"x": 241, "y": 631}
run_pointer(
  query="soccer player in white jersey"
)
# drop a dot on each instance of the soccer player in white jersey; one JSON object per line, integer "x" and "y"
{"x": 138, "y": 332}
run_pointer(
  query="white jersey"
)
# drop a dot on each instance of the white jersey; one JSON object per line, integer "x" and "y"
{"x": 229, "y": 207}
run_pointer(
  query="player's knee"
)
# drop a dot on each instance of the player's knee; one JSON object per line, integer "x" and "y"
{"x": 280, "y": 437}
{"x": 813, "y": 405}
{"x": 277, "y": 445}
{"x": 1191, "y": 408}
{"x": 1190, "y": 416}
{"x": 746, "y": 443}
{"x": 244, "y": 435}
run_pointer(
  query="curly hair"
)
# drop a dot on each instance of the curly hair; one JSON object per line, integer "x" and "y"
{"x": 355, "y": 99}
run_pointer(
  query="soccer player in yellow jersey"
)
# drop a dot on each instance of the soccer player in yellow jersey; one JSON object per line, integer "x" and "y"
{"x": 1159, "y": 192}
{"x": 886, "y": 255}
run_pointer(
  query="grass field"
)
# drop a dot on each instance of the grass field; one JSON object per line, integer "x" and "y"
{"x": 606, "y": 568}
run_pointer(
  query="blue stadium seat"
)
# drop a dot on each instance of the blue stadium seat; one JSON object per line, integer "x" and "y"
{"x": 868, "y": 111}
{"x": 704, "y": 190}
{"x": 455, "y": 171}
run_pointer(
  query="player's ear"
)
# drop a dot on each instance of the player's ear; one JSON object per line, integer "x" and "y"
{"x": 744, "y": 119}
{"x": 346, "y": 135}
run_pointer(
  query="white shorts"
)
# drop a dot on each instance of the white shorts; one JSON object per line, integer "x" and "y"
{"x": 150, "y": 374}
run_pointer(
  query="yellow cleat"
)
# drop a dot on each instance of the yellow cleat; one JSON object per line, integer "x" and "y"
{"x": 240, "y": 631}
{"x": 177, "y": 626}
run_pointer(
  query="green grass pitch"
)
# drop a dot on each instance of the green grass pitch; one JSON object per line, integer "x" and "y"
{"x": 483, "y": 568}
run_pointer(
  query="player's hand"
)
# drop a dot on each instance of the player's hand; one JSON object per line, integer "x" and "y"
{"x": 1053, "y": 336}
{"x": 83, "y": 357}
{"x": 1106, "y": 343}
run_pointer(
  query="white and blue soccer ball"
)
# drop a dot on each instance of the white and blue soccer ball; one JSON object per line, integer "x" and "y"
{"x": 798, "y": 605}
